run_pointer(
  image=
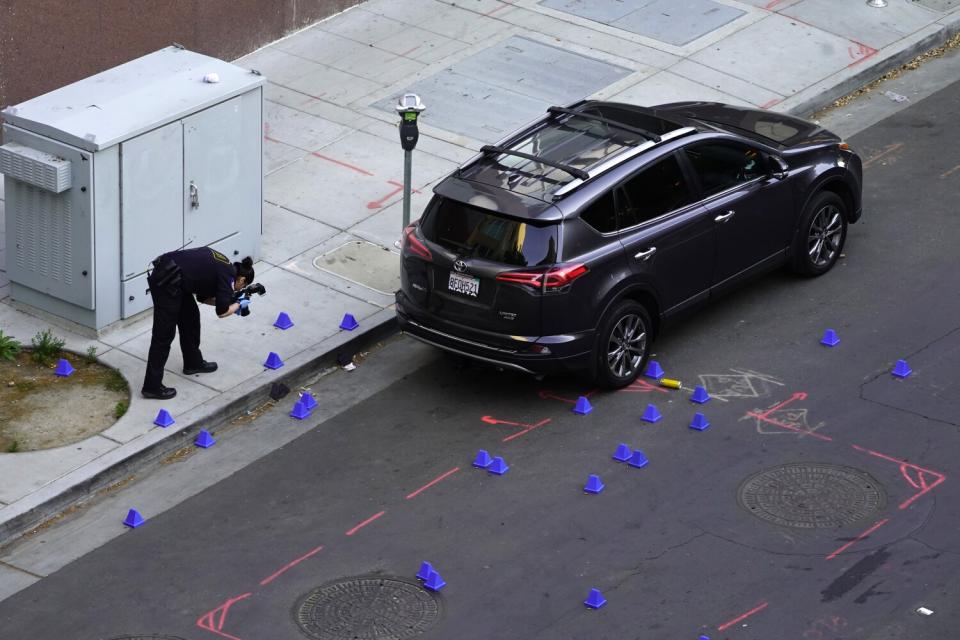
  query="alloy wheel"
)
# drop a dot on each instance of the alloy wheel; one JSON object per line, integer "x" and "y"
{"x": 627, "y": 344}
{"x": 823, "y": 239}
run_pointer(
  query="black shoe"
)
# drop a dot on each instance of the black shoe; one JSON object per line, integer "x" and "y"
{"x": 160, "y": 393}
{"x": 205, "y": 367}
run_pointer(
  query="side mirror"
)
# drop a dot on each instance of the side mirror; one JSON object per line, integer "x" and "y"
{"x": 779, "y": 168}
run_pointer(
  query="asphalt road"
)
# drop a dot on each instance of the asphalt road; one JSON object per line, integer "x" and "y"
{"x": 862, "y": 464}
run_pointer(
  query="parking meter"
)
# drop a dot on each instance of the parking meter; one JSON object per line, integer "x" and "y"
{"x": 409, "y": 108}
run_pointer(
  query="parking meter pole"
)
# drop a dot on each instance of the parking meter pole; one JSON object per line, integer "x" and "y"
{"x": 409, "y": 107}
{"x": 407, "y": 171}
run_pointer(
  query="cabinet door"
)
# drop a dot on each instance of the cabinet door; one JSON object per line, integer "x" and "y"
{"x": 221, "y": 188}
{"x": 151, "y": 182}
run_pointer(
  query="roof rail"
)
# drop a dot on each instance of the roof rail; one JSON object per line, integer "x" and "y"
{"x": 606, "y": 165}
{"x": 558, "y": 111}
{"x": 579, "y": 174}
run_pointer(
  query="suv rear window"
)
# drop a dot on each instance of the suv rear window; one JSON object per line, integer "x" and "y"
{"x": 471, "y": 232}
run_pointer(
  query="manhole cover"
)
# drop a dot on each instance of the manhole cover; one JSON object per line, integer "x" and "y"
{"x": 367, "y": 609}
{"x": 812, "y": 495}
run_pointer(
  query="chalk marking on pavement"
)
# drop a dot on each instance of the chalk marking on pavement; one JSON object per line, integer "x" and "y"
{"x": 860, "y": 537}
{"x": 765, "y": 417}
{"x": 744, "y": 616}
{"x": 920, "y": 482}
{"x": 947, "y": 173}
{"x": 365, "y": 523}
{"x": 432, "y": 482}
{"x": 527, "y": 430}
{"x": 546, "y": 394}
{"x": 740, "y": 383}
{"x": 896, "y": 146}
{"x": 208, "y": 620}
{"x": 341, "y": 163}
{"x": 290, "y": 565}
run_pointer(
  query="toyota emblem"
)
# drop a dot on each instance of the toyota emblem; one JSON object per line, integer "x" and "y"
{"x": 460, "y": 266}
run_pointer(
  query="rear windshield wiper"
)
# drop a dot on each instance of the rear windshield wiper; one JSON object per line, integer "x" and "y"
{"x": 574, "y": 171}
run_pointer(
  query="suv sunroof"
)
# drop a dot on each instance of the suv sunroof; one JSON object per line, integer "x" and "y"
{"x": 565, "y": 146}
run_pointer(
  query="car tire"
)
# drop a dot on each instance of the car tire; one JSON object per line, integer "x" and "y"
{"x": 617, "y": 364}
{"x": 821, "y": 235}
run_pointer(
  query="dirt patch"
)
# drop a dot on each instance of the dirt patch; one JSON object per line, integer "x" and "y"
{"x": 40, "y": 410}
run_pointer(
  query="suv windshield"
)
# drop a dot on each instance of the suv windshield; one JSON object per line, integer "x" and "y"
{"x": 471, "y": 232}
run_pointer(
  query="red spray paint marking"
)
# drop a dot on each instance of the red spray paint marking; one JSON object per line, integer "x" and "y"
{"x": 266, "y": 132}
{"x": 409, "y": 51}
{"x": 860, "y": 537}
{"x": 376, "y": 204}
{"x": 919, "y": 482}
{"x": 896, "y": 146}
{"x": 209, "y": 621}
{"x": 550, "y": 395}
{"x": 860, "y": 53}
{"x": 433, "y": 482}
{"x": 740, "y": 618}
{"x": 365, "y": 523}
{"x": 289, "y": 566}
{"x": 770, "y": 103}
{"x": 400, "y": 184}
{"x": 342, "y": 164}
{"x": 642, "y": 386}
{"x": 765, "y": 417}
{"x": 770, "y": 5}
{"x": 527, "y": 430}
{"x": 494, "y": 10}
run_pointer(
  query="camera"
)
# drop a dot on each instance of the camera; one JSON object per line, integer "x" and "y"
{"x": 245, "y": 293}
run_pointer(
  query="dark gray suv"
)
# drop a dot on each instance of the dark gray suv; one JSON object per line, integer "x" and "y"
{"x": 568, "y": 245}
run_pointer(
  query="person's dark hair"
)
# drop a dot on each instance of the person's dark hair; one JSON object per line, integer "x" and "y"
{"x": 245, "y": 268}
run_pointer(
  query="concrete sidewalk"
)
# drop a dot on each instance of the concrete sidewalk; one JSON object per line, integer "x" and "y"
{"x": 333, "y": 168}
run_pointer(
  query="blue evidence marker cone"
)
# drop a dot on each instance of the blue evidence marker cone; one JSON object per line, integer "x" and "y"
{"x": 308, "y": 401}
{"x": 651, "y": 414}
{"x": 425, "y": 570}
{"x": 654, "y": 370}
{"x": 349, "y": 322}
{"x": 133, "y": 519}
{"x": 163, "y": 419}
{"x": 434, "y": 582}
{"x": 594, "y": 485}
{"x": 595, "y": 600}
{"x": 283, "y": 321}
{"x": 638, "y": 460}
{"x": 699, "y": 422}
{"x": 483, "y": 459}
{"x": 204, "y": 439}
{"x": 704, "y": 638}
{"x": 700, "y": 395}
{"x": 829, "y": 338}
{"x": 582, "y": 406}
{"x": 498, "y": 466}
{"x": 273, "y": 361}
{"x": 901, "y": 369}
{"x": 64, "y": 368}
{"x": 300, "y": 411}
{"x": 622, "y": 454}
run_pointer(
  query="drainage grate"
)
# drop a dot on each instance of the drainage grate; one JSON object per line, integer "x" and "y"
{"x": 812, "y": 495}
{"x": 367, "y": 608}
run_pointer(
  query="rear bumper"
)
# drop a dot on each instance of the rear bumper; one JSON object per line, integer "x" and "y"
{"x": 567, "y": 352}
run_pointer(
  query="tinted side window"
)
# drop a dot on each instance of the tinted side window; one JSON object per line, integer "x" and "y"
{"x": 601, "y": 214}
{"x": 721, "y": 166}
{"x": 656, "y": 190}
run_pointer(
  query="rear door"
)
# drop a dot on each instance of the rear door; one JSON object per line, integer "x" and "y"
{"x": 670, "y": 241}
{"x": 471, "y": 247}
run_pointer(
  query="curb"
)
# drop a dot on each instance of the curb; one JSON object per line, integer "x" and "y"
{"x": 53, "y": 499}
{"x": 806, "y": 107}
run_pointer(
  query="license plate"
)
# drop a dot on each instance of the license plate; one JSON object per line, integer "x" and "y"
{"x": 466, "y": 285}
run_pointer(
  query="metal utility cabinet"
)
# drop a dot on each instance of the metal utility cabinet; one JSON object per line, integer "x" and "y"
{"x": 105, "y": 174}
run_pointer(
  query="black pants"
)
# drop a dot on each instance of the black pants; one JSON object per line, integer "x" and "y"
{"x": 173, "y": 311}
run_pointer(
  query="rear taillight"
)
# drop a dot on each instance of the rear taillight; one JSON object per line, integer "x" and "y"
{"x": 411, "y": 242}
{"x": 551, "y": 279}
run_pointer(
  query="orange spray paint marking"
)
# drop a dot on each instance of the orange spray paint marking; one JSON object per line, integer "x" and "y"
{"x": 214, "y": 624}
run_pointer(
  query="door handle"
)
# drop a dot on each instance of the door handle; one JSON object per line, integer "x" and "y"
{"x": 194, "y": 195}
{"x": 725, "y": 216}
{"x": 645, "y": 255}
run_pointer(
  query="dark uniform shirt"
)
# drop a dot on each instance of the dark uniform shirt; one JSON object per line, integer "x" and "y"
{"x": 207, "y": 273}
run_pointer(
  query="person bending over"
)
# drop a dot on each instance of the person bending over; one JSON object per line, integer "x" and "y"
{"x": 177, "y": 277}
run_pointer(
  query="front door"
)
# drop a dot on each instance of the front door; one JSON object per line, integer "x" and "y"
{"x": 668, "y": 239}
{"x": 752, "y": 210}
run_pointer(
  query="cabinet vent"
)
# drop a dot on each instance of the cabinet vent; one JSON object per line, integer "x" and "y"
{"x": 34, "y": 167}
{"x": 43, "y": 229}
